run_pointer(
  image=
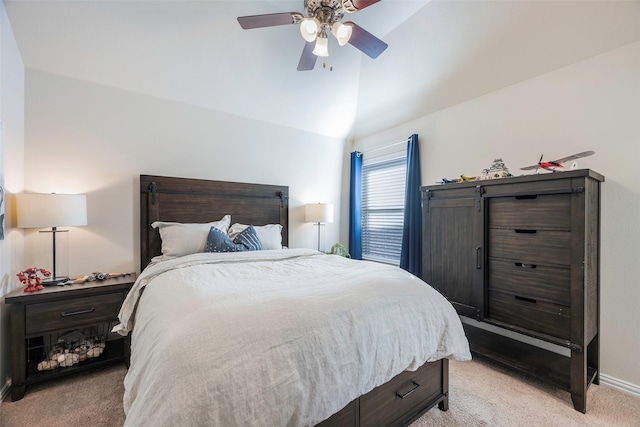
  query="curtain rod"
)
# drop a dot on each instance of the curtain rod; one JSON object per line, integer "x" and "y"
{"x": 404, "y": 141}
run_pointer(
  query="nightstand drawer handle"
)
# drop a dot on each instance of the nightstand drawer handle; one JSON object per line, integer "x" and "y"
{"x": 75, "y": 313}
{"x": 415, "y": 387}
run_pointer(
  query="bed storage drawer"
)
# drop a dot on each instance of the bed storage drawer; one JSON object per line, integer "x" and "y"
{"x": 68, "y": 313}
{"x": 407, "y": 393}
{"x": 529, "y": 313}
{"x": 548, "y": 283}
{"x": 347, "y": 417}
{"x": 531, "y": 246}
{"x": 544, "y": 211}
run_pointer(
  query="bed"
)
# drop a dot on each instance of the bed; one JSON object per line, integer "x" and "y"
{"x": 274, "y": 337}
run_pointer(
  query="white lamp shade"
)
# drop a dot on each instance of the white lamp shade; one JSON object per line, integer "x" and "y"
{"x": 318, "y": 212}
{"x": 342, "y": 32}
{"x": 309, "y": 28}
{"x": 322, "y": 46}
{"x": 51, "y": 210}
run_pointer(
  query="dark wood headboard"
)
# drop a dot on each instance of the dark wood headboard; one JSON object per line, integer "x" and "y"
{"x": 198, "y": 201}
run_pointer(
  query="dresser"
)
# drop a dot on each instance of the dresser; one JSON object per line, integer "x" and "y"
{"x": 70, "y": 324}
{"x": 522, "y": 254}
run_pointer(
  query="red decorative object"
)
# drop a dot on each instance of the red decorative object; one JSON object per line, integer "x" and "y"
{"x": 30, "y": 278}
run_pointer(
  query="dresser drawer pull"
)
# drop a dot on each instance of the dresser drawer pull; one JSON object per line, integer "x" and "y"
{"x": 75, "y": 313}
{"x": 527, "y": 197}
{"x": 525, "y": 299}
{"x": 415, "y": 387}
{"x": 519, "y": 264}
{"x": 525, "y": 231}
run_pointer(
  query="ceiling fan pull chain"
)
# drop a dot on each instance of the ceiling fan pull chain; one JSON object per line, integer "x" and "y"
{"x": 324, "y": 65}
{"x": 330, "y": 60}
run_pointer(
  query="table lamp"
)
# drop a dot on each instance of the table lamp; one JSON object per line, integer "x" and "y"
{"x": 36, "y": 210}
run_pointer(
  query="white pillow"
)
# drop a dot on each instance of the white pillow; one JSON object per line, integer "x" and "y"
{"x": 270, "y": 235}
{"x": 180, "y": 239}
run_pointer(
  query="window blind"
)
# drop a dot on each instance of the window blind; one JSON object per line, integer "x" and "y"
{"x": 383, "y": 188}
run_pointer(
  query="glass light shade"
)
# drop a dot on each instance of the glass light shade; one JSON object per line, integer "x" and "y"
{"x": 318, "y": 212}
{"x": 51, "y": 210}
{"x": 342, "y": 32}
{"x": 309, "y": 28}
{"x": 322, "y": 46}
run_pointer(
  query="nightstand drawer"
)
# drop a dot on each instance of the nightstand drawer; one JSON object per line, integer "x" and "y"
{"x": 56, "y": 315}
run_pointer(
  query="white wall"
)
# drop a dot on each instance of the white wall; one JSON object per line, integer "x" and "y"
{"x": 86, "y": 138}
{"x": 11, "y": 166}
{"x": 590, "y": 105}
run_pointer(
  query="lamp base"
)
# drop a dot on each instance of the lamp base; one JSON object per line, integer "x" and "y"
{"x": 54, "y": 282}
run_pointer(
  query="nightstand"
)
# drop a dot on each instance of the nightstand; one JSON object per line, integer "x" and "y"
{"x": 47, "y": 321}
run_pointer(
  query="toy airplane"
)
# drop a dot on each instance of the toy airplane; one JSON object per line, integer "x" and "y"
{"x": 446, "y": 181}
{"x": 463, "y": 178}
{"x": 558, "y": 165}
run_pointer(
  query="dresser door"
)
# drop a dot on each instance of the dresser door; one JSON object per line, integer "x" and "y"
{"x": 453, "y": 252}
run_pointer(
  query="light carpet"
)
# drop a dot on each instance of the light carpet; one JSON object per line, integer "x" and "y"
{"x": 480, "y": 394}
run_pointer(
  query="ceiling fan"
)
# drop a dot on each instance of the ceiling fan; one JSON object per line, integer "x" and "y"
{"x": 322, "y": 17}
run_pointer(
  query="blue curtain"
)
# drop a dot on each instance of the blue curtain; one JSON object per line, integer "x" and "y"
{"x": 355, "y": 206}
{"x": 411, "y": 253}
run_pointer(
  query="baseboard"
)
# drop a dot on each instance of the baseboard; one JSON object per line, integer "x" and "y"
{"x": 620, "y": 385}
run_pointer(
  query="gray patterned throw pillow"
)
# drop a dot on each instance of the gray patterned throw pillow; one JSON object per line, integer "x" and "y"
{"x": 218, "y": 241}
{"x": 249, "y": 239}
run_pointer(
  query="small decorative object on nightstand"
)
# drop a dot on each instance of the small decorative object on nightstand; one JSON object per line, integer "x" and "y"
{"x": 65, "y": 329}
{"x": 30, "y": 278}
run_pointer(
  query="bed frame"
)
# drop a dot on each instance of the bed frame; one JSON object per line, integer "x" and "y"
{"x": 198, "y": 201}
{"x": 398, "y": 402}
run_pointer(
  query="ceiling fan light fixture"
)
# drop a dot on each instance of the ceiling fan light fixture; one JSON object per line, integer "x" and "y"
{"x": 309, "y": 28}
{"x": 342, "y": 32}
{"x": 322, "y": 46}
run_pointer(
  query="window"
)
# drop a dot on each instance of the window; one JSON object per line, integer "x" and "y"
{"x": 383, "y": 188}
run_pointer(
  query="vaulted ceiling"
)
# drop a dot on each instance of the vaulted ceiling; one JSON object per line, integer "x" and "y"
{"x": 440, "y": 53}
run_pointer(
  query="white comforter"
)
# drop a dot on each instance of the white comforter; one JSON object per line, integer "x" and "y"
{"x": 274, "y": 338}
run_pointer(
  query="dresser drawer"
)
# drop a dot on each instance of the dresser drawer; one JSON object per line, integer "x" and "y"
{"x": 545, "y": 211}
{"x": 529, "y": 313}
{"x": 409, "y": 390}
{"x": 62, "y": 314}
{"x": 552, "y": 284}
{"x": 531, "y": 246}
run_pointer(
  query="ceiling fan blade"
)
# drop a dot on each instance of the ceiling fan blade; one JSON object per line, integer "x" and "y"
{"x": 269, "y": 20}
{"x": 365, "y": 41}
{"x": 308, "y": 59}
{"x": 355, "y": 5}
